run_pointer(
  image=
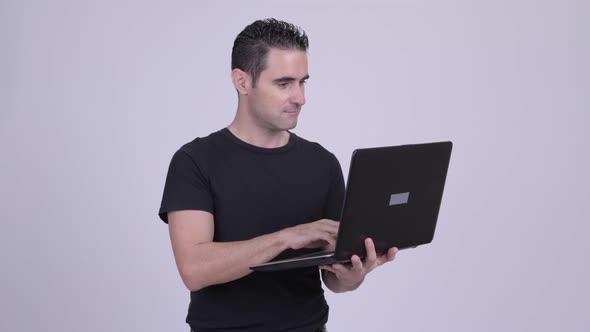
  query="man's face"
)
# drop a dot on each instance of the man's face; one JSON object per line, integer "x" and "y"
{"x": 276, "y": 100}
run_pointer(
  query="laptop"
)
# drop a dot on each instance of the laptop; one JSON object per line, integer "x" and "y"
{"x": 393, "y": 195}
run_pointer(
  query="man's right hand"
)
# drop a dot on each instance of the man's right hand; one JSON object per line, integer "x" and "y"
{"x": 321, "y": 233}
{"x": 203, "y": 262}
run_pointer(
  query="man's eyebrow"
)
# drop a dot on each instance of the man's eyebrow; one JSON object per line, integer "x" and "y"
{"x": 289, "y": 79}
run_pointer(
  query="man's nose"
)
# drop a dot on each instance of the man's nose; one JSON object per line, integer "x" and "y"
{"x": 298, "y": 96}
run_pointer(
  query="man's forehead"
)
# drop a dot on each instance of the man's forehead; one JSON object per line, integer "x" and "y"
{"x": 286, "y": 63}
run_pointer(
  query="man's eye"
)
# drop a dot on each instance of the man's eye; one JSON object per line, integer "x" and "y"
{"x": 303, "y": 82}
{"x": 283, "y": 84}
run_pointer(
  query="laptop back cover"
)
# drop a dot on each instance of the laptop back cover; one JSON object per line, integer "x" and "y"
{"x": 393, "y": 196}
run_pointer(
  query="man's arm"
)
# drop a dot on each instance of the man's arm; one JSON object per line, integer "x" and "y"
{"x": 339, "y": 278}
{"x": 202, "y": 262}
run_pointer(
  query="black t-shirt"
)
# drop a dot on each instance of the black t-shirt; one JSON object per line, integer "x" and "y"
{"x": 253, "y": 191}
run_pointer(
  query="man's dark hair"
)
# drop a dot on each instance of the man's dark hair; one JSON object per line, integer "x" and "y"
{"x": 252, "y": 45}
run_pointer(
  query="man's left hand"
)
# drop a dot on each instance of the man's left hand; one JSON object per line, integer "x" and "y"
{"x": 350, "y": 277}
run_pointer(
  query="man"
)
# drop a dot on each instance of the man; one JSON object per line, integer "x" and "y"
{"x": 254, "y": 191}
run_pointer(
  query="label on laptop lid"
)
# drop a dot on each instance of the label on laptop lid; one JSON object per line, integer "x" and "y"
{"x": 397, "y": 199}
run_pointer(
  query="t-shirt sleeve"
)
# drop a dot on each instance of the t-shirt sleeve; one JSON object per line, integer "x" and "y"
{"x": 186, "y": 188}
{"x": 333, "y": 207}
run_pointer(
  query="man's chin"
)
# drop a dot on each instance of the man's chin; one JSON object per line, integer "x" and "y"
{"x": 292, "y": 126}
{"x": 287, "y": 126}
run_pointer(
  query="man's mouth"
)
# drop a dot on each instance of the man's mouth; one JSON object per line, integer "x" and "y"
{"x": 293, "y": 110}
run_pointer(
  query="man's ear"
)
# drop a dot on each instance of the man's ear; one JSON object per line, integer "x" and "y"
{"x": 241, "y": 80}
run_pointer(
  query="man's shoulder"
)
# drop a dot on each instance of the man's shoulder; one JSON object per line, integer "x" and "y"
{"x": 202, "y": 144}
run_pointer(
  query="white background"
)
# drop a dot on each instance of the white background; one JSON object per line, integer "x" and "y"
{"x": 95, "y": 97}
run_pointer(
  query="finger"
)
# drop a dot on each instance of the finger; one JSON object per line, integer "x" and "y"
{"x": 357, "y": 264}
{"x": 329, "y": 268}
{"x": 382, "y": 259}
{"x": 322, "y": 226}
{"x": 316, "y": 244}
{"x": 387, "y": 257}
{"x": 329, "y": 238}
{"x": 330, "y": 225}
{"x": 371, "y": 254}
{"x": 327, "y": 222}
{"x": 331, "y": 228}
{"x": 339, "y": 268}
{"x": 391, "y": 253}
